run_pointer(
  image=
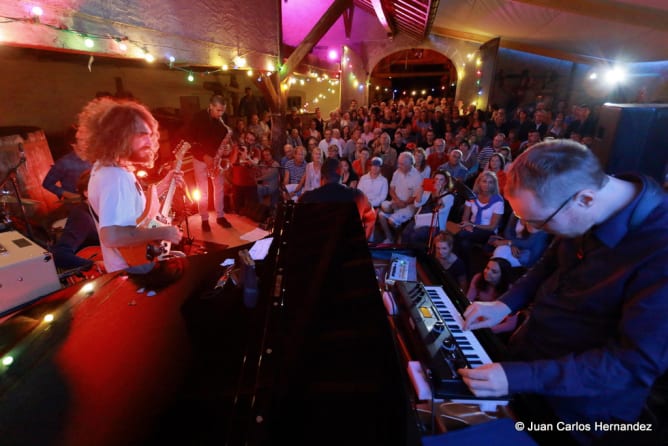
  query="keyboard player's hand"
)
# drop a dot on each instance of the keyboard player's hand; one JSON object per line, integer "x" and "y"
{"x": 486, "y": 380}
{"x": 484, "y": 314}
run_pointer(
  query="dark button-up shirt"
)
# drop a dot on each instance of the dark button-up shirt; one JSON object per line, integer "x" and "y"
{"x": 597, "y": 334}
{"x": 65, "y": 171}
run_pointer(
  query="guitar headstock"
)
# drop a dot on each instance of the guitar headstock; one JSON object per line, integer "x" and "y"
{"x": 181, "y": 149}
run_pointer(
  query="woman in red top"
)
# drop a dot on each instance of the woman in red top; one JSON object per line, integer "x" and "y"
{"x": 497, "y": 164}
{"x": 363, "y": 163}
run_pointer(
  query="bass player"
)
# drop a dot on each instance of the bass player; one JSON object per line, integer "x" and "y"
{"x": 119, "y": 136}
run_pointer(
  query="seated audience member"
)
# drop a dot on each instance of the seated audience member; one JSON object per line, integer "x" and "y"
{"x": 497, "y": 164}
{"x": 288, "y": 154}
{"x": 481, "y": 216}
{"x": 294, "y": 171}
{"x": 333, "y": 152}
{"x": 443, "y": 244}
{"x": 532, "y": 139}
{"x": 454, "y": 166}
{"x": 311, "y": 178}
{"x": 362, "y": 164}
{"x": 469, "y": 158}
{"x": 268, "y": 178}
{"x": 79, "y": 232}
{"x": 348, "y": 175}
{"x": 433, "y": 210}
{"x": 521, "y": 244}
{"x": 404, "y": 187}
{"x": 293, "y": 138}
{"x": 62, "y": 177}
{"x": 490, "y": 285}
{"x": 421, "y": 162}
{"x": 374, "y": 184}
{"x": 437, "y": 154}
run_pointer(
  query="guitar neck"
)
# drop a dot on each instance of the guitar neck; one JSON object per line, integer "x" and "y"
{"x": 167, "y": 204}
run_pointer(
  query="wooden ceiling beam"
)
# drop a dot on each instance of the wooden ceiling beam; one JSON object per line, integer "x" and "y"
{"x": 461, "y": 35}
{"x": 516, "y": 45}
{"x": 629, "y": 14}
{"x": 313, "y": 37}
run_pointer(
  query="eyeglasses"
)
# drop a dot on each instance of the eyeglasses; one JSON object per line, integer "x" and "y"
{"x": 540, "y": 224}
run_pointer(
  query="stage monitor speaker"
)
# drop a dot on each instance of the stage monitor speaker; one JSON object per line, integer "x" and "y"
{"x": 27, "y": 271}
{"x": 633, "y": 138}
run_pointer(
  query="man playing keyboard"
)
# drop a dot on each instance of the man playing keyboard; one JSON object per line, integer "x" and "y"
{"x": 596, "y": 338}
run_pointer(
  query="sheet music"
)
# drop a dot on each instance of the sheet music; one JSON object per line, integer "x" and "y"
{"x": 260, "y": 248}
{"x": 255, "y": 234}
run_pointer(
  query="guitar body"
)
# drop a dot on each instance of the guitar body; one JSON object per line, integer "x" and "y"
{"x": 155, "y": 215}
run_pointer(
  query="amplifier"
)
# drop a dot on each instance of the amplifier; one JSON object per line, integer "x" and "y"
{"x": 27, "y": 271}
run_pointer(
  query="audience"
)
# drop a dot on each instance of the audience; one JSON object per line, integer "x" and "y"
{"x": 489, "y": 285}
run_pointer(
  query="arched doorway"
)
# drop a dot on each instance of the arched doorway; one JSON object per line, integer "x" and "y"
{"x": 413, "y": 72}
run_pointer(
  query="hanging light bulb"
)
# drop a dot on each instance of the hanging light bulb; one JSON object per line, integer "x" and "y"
{"x": 190, "y": 77}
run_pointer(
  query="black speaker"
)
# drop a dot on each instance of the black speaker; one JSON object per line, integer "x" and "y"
{"x": 633, "y": 138}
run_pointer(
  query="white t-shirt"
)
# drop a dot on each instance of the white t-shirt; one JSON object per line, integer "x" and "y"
{"x": 117, "y": 199}
{"x": 486, "y": 216}
{"x": 406, "y": 185}
{"x": 375, "y": 189}
{"x": 312, "y": 180}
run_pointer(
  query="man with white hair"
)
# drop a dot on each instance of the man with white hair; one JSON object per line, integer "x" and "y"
{"x": 404, "y": 190}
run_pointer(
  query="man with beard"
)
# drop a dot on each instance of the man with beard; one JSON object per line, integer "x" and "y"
{"x": 118, "y": 137}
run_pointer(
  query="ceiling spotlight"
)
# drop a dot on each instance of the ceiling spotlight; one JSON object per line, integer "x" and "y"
{"x": 617, "y": 75}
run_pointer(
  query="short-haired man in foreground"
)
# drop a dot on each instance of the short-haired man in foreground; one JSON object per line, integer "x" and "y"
{"x": 596, "y": 337}
{"x": 332, "y": 191}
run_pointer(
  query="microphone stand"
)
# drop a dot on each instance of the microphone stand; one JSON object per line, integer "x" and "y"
{"x": 11, "y": 175}
{"x": 434, "y": 219}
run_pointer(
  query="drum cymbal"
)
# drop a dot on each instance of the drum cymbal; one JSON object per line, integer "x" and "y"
{"x": 11, "y": 199}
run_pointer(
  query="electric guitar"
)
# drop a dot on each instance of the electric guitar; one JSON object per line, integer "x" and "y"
{"x": 155, "y": 216}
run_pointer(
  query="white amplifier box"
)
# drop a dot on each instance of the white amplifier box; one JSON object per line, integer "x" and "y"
{"x": 27, "y": 271}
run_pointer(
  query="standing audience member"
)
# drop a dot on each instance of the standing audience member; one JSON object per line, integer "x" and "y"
{"x": 244, "y": 182}
{"x": 249, "y": 105}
